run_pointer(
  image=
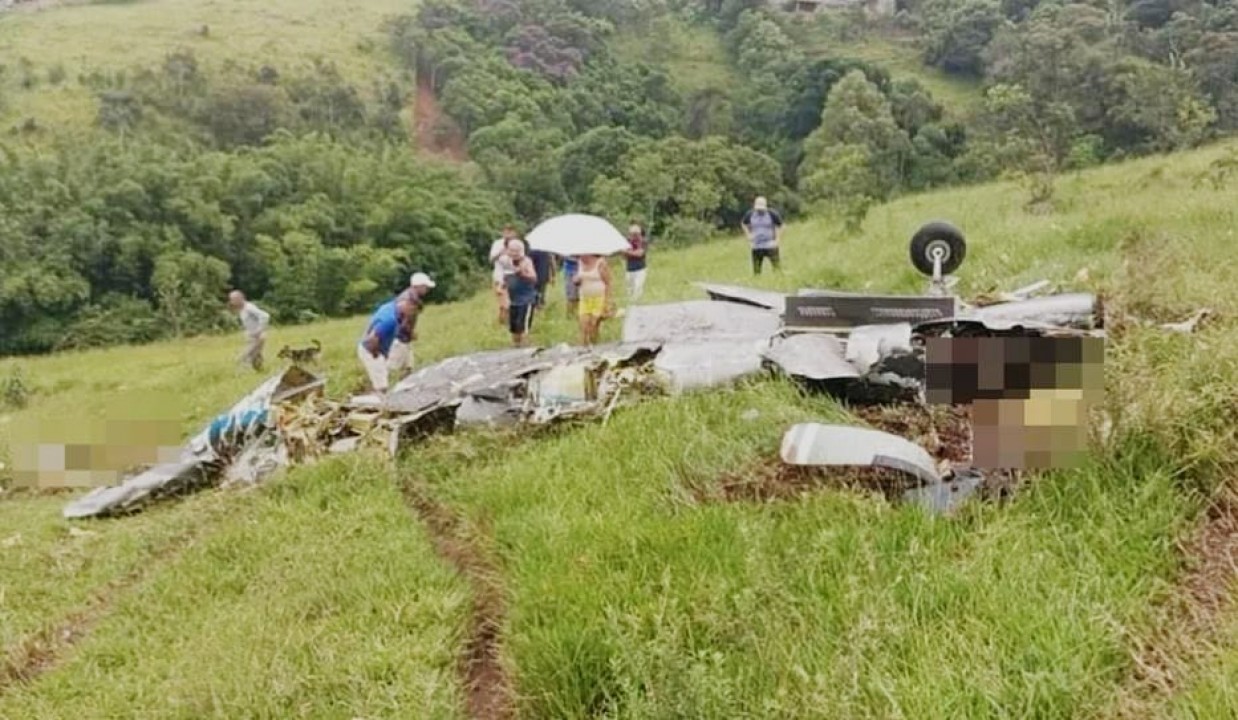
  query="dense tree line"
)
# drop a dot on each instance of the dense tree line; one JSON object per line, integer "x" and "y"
{"x": 556, "y": 121}
{"x": 298, "y": 185}
{"x": 128, "y": 241}
{"x": 1130, "y": 76}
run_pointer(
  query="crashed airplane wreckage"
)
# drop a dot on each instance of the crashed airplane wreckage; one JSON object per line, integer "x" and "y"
{"x": 859, "y": 348}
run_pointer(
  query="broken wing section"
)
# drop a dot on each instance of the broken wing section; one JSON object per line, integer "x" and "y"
{"x": 229, "y": 437}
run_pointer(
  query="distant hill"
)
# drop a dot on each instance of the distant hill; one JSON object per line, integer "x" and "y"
{"x": 48, "y": 46}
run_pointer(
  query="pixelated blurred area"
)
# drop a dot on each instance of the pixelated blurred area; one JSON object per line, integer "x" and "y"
{"x": 76, "y": 452}
{"x": 1031, "y": 397}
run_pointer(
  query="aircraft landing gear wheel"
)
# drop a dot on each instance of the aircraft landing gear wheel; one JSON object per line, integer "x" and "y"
{"x": 938, "y": 242}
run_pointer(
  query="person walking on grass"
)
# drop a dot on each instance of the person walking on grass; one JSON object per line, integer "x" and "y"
{"x": 255, "y": 320}
{"x": 636, "y": 257}
{"x": 593, "y": 281}
{"x": 522, "y": 289}
{"x": 374, "y": 350}
{"x": 764, "y": 230}
{"x": 502, "y": 268}
{"x": 400, "y": 359}
{"x": 571, "y": 291}
{"x": 544, "y": 264}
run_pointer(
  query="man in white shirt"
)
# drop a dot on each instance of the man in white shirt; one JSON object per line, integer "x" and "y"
{"x": 255, "y": 320}
{"x": 502, "y": 268}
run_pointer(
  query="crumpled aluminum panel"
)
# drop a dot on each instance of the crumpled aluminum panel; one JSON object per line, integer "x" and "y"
{"x": 1072, "y": 310}
{"x": 948, "y": 495}
{"x": 767, "y": 299}
{"x": 868, "y": 344}
{"x": 454, "y": 377}
{"x": 695, "y": 365}
{"x": 699, "y": 321}
{"x": 198, "y": 465}
{"x": 844, "y": 445}
{"x": 160, "y": 481}
{"x": 811, "y": 356}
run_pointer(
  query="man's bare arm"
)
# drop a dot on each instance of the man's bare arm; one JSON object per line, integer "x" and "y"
{"x": 371, "y": 344}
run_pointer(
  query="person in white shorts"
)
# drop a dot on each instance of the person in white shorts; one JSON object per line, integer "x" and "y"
{"x": 375, "y": 346}
{"x": 636, "y": 257}
{"x": 502, "y": 268}
{"x": 255, "y": 320}
{"x": 400, "y": 358}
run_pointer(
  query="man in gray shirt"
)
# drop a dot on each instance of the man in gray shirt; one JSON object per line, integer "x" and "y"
{"x": 255, "y": 320}
{"x": 764, "y": 230}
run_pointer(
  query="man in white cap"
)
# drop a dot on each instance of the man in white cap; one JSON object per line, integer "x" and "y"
{"x": 400, "y": 358}
{"x": 764, "y": 230}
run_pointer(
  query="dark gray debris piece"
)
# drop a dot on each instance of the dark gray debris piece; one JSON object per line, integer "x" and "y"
{"x": 943, "y": 498}
{"x": 184, "y": 476}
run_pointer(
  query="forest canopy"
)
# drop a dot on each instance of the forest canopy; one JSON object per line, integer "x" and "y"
{"x": 300, "y": 185}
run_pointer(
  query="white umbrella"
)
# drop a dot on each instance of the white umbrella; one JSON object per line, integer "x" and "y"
{"x": 577, "y": 235}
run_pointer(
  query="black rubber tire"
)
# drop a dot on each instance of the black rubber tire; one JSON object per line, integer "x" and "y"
{"x": 938, "y": 235}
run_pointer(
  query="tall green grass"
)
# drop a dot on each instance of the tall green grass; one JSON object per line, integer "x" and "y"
{"x": 319, "y": 596}
{"x": 629, "y": 601}
{"x": 104, "y": 36}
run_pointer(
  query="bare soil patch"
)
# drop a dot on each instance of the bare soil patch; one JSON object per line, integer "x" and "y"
{"x": 434, "y": 132}
{"x": 487, "y": 685}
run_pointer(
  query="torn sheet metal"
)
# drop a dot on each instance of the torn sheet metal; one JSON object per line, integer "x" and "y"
{"x": 815, "y": 292}
{"x": 811, "y": 357}
{"x": 451, "y": 379}
{"x": 766, "y": 299}
{"x": 868, "y": 344}
{"x": 256, "y": 462}
{"x": 943, "y": 498}
{"x": 205, "y": 455}
{"x": 844, "y": 445}
{"x": 1068, "y": 310}
{"x": 184, "y": 476}
{"x": 844, "y": 313}
{"x": 698, "y": 321}
{"x": 694, "y": 365}
{"x": 496, "y": 407}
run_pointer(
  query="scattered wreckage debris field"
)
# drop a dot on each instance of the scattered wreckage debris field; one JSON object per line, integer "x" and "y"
{"x": 619, "y": 531}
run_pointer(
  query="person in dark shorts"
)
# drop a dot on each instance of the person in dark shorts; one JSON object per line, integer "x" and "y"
{"x": 522, "y": 289}
{"x": 571, "y": 264}
{"x": 764, "y": 230}
{"x": 544, "y": 264}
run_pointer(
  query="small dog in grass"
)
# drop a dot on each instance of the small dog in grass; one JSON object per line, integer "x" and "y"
{"x": 302, "y": 356}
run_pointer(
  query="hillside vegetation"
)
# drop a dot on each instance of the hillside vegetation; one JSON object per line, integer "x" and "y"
{"x": 158, "y": 153}
{"x": 636, "y": 573}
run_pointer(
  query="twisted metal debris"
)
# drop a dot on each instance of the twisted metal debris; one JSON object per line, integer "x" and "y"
{"x": 666, "y": 349}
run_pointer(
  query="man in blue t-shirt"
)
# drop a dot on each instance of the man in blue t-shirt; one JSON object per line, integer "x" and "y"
{"x": 764, "y": 230}
{"x": 381, "y": 333}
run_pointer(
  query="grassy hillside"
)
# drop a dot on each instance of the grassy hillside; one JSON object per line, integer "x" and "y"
{"x": 631, "y": 586}
{"x": 80, "y": 39}
{"x": 900, "y": 56}
{"x": 693, "y": 54}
